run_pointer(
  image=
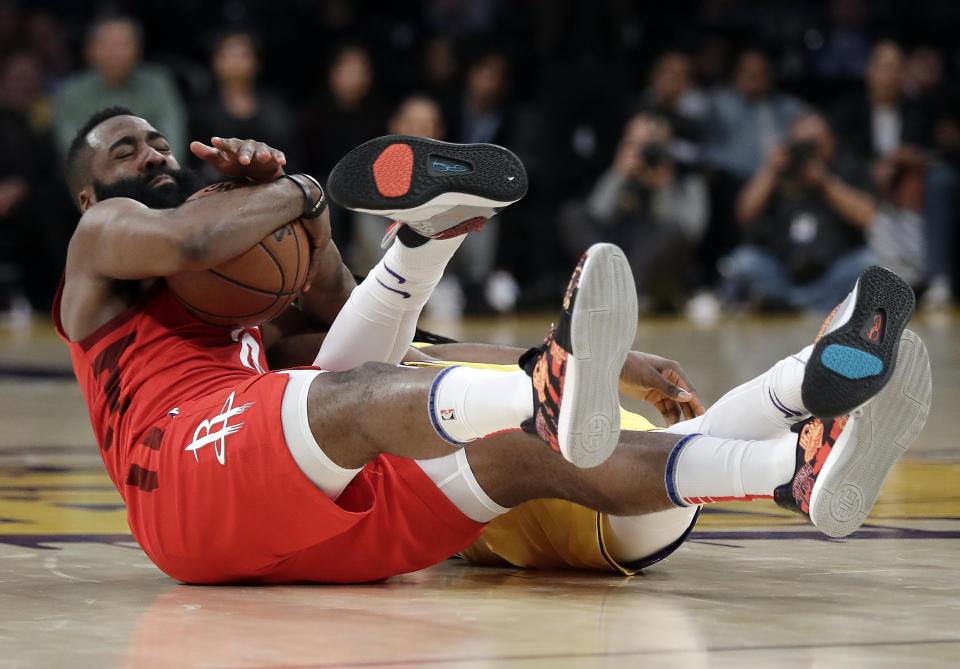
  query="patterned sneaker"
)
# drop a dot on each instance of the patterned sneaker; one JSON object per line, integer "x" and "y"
{"x": 843, "y": 462}
{"x": 438, "y": 189}
{"x": 576, "y": 371}
{"x": 856, "y": 350}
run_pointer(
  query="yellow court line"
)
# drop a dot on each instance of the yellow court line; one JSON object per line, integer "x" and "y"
{"x": 87, "y": 503}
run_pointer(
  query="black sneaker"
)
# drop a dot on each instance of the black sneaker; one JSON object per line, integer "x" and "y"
{"x": 438, "y": 189}
{"x": 856, "y": 350}
{"x": 843, "y": 462}
{"x": 576, "y": 372}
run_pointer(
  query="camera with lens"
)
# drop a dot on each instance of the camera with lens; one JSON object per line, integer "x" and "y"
{"x": 655, "y": 154}
{"x": 799, "y": 154}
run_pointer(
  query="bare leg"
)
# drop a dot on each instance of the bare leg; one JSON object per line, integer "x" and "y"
{"x": 629, "y": 483}
{"x": 377, "y": 408}
{"x": 511, "y": 468}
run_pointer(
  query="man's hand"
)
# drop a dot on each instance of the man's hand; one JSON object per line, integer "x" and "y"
{"x": 657, "y": 177}
{"x": 815, "y": 172}
{"x": 241, "y": 158}
{"x": 12, "y": 191}
{"x": 777, "y": 159}
{"x": 662, "y": 383}
{"x": 628, "y": 161}
{"x": 320, "y": 240}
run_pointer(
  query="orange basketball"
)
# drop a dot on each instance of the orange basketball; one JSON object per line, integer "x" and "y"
{"x": 253, "y": 287}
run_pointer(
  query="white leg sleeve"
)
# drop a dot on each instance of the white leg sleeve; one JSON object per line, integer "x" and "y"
{"x": 379, "y": 320}
{"x": 453, "y": 476}
{"x": 316, "y": 465}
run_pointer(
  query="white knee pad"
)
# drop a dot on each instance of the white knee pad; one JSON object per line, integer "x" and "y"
{"x": 640, "y": 541}
{"x": 453, "y": 476}
{"x": 326, "y": 474}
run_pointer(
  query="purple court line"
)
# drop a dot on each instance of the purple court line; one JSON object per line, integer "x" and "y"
{"x": 621, "y": 653}
{"x": 36, "y": 541}
{"x": 33, "y": 540}
{"x": 25, "y": 372}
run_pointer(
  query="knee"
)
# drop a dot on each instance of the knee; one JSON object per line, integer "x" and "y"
{"x": 347, "y": 390}
{"x": 365, "y": 373}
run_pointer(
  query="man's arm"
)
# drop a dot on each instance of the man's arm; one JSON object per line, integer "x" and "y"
{"x": 756, "y": 193}
{"x": 851, "y": 204}
{"x": 123, "y": 239}
{"x": 646, "y": 377}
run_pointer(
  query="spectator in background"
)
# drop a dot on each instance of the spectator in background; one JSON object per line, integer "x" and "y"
{"x": 420, "y": 115}
{"x": 35, "y": 220}
{"x": 10, "y": 31}
{"x": 117, "y": 77}
{"x": 441, "y": 70}
{"x": 417, "y": 115}
{"x": 345, "y": 113}
{"x": 924, "y": 85}
{"x": 46, "y": 41}
{"x": 21, "y": 87}
{"x": 483, "y": 116}
{"x": 875, "y": 124}
{"x": 923, "y": 75}
{"x": 646, "y": 207}
{"x": 896, "y": 233}
{"x": 672, "y": 95}
{"x": 238, "y": 106}
{"x": 803, "y": 215}
{"x": 711, "y": 62}
{"x": 846, "y": 48}
{"x": 883, "y": 121}
{"x": 748, "y": 119}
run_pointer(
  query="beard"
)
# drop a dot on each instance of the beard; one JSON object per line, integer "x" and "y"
{"x": 186, "y": 182}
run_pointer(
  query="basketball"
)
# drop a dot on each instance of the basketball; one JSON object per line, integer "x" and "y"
{"x": 253, "y": 287}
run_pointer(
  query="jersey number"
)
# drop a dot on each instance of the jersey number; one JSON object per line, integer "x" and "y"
{"x": 249, "y": 350}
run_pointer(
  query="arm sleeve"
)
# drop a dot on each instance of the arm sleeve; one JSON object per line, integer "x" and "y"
{"x": 602, "y": 203}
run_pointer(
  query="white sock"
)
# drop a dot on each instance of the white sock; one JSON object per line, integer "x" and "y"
{"x": 467, "y": 403}
{"x": 705, "y": 469}
{"x": 761, "y": 408}
{"x": 379, "y": 320}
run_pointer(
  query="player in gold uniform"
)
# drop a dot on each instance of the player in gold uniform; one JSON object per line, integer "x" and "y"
{"x": 557, "y": 534}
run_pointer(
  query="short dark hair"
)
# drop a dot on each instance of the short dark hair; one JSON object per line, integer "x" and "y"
{"x": 114, "y": 17}
{"x": 78, "y": 155}
{"x": 238, "y": 31}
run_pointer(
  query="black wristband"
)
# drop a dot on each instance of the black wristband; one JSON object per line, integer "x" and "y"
{"x": 311, "y": 209}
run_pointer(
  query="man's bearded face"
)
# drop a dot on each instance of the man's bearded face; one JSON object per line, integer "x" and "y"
{"x": 166, "y": 195}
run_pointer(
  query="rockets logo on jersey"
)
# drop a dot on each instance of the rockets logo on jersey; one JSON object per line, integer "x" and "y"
{"x": 205, "y": 434}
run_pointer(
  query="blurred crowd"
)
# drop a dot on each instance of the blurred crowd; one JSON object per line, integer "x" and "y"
{"x": 746, "y": 154}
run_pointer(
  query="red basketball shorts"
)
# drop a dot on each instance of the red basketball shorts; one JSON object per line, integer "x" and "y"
{"x": 229, "y": 504}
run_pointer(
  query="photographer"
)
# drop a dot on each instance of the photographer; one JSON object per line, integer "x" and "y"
{"x": 803, "y": 222}
{"x": 649, "y": 207}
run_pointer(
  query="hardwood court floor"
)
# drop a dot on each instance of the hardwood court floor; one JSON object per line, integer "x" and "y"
{"x": 752, "y": 587}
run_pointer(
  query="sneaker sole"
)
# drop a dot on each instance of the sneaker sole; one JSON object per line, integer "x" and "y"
{"x": 850, "y": 481}
{"x": 412, "y": 178}
{"x": 853, "y": 363}
{"x": 603, "y": 325}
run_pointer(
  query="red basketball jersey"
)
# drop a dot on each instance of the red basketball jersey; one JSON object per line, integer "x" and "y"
{"x": 211, "y": 509}
{"x": 136, "y": 369}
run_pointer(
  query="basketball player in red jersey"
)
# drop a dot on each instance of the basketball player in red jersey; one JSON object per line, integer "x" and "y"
{"x": 231, "y": 472}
